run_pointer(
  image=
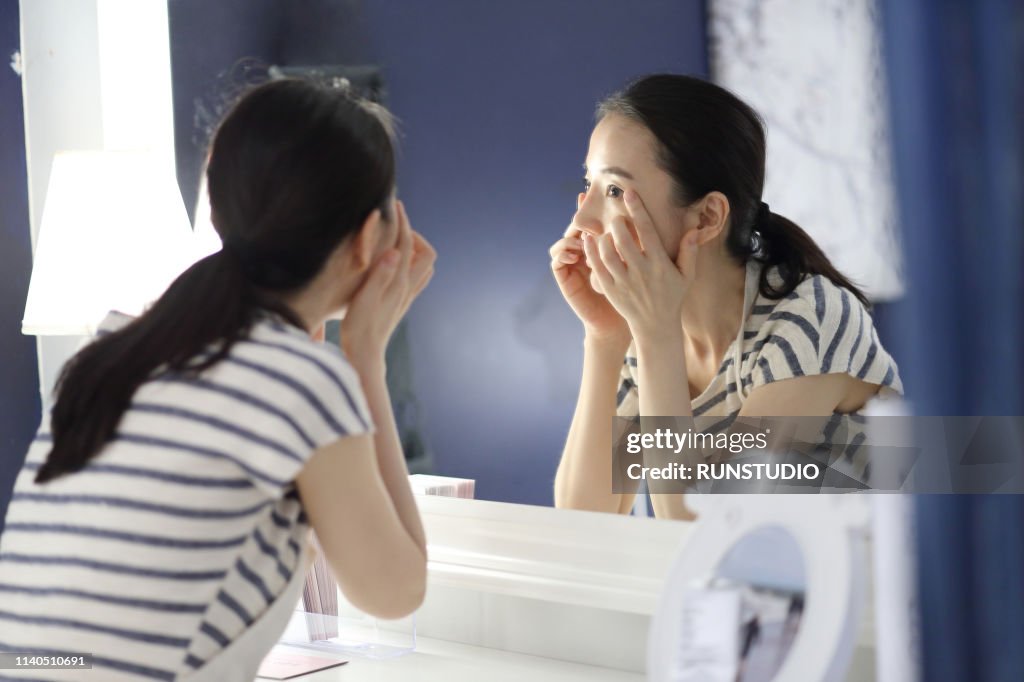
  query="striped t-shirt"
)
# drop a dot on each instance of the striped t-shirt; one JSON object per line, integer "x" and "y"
{"x": 180, "y": 533}
{"x": 819, "y": 328}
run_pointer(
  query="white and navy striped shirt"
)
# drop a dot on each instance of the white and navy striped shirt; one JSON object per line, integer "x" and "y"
{"x": 174, "y": 539}
{"x": 819, "y": 328}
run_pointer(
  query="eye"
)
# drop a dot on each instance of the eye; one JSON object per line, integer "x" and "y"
{"x": 613, "y": 192}
{"x": 586, "y": 185}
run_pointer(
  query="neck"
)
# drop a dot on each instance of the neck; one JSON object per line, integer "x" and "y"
{"x": 327, "y": 294}
{"x": 713, "y": 310}
{"x": 310, "y": 311}
{"x": 316, "y": 303}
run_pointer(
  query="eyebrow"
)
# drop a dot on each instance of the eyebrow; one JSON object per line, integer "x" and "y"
{"x": 614, "y": 170}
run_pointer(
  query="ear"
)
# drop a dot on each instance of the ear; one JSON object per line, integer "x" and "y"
{"x": 713, "y": 216}
{"x": 365, "y": 240}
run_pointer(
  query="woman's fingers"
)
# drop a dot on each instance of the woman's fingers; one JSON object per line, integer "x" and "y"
{"x": 405, "y": 238}
{"x": 566, "y": 251}
{"x": 624, "y": 244}
{"x": 610, "y": 258}
{"x": 422, "y": 251}
{"x": 421, "y": 247}
{"x": 687, "y": 259}
{"x": 422, "y": 269}
{"x": 565, "y": 258}
{"x": 596, "y": 263}
{"x": 380, "y": 278}
{"x": 566, "y": 244}
{"x": 573, "y": 231}
{"x": 422, "y": 280}
{"x": 650, "y": 242}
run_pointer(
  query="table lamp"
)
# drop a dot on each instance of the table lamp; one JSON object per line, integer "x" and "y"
{"x": 114, "y": 234}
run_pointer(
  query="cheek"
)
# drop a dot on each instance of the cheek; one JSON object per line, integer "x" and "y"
{"x": 671, "y": 229}
{"x": 613, "y": 210}
{"x": 669, "y": 233}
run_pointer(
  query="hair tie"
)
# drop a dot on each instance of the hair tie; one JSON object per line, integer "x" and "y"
{"x": 762, "y": 225}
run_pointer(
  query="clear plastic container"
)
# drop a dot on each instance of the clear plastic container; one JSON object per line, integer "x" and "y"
{"x": 351, "y": 633}
{"x": 325, "y": 621}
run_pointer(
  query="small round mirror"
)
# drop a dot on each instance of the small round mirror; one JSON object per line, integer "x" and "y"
{"x": 764, "y": 588}
{"x": 766, "y": 570}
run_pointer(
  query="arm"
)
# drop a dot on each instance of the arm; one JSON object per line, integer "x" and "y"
{"x": 379, "y": 564}
{"x": 584, "y": 480}
{"x": 356, "y": 491}
{"x": 817, "y": 395}
{"x": 584, "y": 476}
{"x": 390, "y": 457}
{"x": 369, "y": 322}
{"x": 661, "y": 366}
{"x": 647, "y": 289}
{"x": 808, "y": 396}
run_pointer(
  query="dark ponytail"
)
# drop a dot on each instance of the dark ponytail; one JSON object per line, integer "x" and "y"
{"x": 294, "y": 169}
{"x": 710, "y": 140}
{"x": 777, "y": 241}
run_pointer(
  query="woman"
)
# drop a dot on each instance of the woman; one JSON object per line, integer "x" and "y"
{"x": 720, "y": 306}
{"x": 161, "y": 520}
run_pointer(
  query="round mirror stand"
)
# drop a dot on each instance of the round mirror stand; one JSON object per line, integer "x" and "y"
{"x": 799, "y": 558}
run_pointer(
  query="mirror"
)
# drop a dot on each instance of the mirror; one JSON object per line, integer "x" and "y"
{"x": 740, "y": 624}
{"x": 767, "y": 587}
{"x": 495, "y": 102}
{"x": 767, "y": 570}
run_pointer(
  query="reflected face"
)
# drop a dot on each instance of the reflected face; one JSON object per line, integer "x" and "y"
{"x": 623, "y": 155}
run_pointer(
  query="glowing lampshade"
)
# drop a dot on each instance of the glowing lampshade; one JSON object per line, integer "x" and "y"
{"x": 114, "y": 234}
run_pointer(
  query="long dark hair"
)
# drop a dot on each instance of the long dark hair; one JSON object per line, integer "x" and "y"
{"x": 710, "y": 140}
{"x": 294, "y": 169}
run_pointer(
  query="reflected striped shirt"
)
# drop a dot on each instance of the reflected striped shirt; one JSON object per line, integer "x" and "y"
{"x": 819, "y": 328}
{"x": 182, "y": 531}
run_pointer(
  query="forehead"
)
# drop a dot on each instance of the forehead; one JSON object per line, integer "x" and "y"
{"x": 619, "y": 141}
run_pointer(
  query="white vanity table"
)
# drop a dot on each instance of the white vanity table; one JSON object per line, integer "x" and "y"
{"x": 530, "y": 593}
{"x": 439, "y": 661}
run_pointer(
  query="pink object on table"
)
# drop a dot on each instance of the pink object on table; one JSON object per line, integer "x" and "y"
{"x": 282, "y": 664}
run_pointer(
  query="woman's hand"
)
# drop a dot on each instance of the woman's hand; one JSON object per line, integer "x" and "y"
{"x": 600, "y": 319}
{"x": 643, "y": 284}
{"x": 394, "y": 282}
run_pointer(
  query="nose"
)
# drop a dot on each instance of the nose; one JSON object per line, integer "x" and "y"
{"x": 588, "y": 212}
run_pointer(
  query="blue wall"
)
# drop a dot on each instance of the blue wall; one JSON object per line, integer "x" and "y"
{"x": 19, "y": 382}
{"x": 208, "y": 39}
{"x": 496, "y": 102}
